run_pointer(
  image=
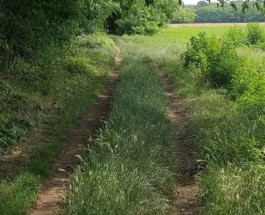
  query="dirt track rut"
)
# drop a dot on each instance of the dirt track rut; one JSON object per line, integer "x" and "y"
{"x": 74, "y": 143}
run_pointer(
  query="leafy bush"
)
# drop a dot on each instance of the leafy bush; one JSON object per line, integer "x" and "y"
{"x": 141, "y": 17}
{"x": 236, "y": 36}
{"x": 255, "y": 34}
{"x": 183, "y": 15}
{"x": 217, "y": 60}
{"x": 196, "y": 52}
{"x": 223, "y": 64}
{"x": 137, "y": 20}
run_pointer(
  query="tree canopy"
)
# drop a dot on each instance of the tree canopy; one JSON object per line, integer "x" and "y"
{"x": 28, "y": 26}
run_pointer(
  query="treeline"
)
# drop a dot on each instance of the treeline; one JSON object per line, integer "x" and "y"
{"x": 213, "y": 14}
{"x": 204, "y": 12}
{"x": 28, "y": 26}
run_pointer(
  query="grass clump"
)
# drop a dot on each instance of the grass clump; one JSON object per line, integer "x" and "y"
{"x": 233, "y": 190}
{"x": 128, "y": 168}
{"x": 17, "y": 197}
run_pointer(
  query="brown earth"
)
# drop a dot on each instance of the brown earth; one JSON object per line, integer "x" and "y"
{"x": 200, "y": 25}
{"x": 74, "y": 144}
{"x": 187, "y": 189}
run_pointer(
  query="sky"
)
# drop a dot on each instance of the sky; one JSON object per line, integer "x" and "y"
{"x": 187, "y": 2}
{"x": 194, "y": 2}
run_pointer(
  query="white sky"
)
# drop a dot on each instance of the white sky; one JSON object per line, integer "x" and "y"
{"x": 187, "y": 2}
{"x": 194, "y": 2}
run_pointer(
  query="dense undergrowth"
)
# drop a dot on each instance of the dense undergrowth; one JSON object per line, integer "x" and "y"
{"x": 48, "y": 96}
{"x": 222, "y": 87}
{"x": 229, "y": 127}
{"x": 47, "y": 87}
{"x": 227, "y": 114}
{"x": 127, "y": 169}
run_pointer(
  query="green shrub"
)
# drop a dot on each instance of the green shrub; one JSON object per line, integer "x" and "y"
{"x": 223, "y": 63}
{"x": 255, "y": 34}
{"x": 236, "y": 36}
{"x": 217, "y": 59}
{"x": 196, "y": 53}
{"x": 248, "y": 85}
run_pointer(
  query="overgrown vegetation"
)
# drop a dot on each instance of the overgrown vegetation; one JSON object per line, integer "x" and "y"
{"x": 229, "y": 125}
{"x": 184, "y": 15}
{"x": 35, "y": 39}
{"x": 127, "y": 169}
{"x": 77, "y": 79}
{"x": 226, "y": 120}
{"x": 50, "y": 72}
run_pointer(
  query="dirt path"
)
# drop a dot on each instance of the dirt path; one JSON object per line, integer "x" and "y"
{"x": 187, "y": 189}
{"x": 74, "y": 143}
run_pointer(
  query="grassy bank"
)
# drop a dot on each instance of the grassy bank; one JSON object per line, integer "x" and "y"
{"x": 128, "y": 169}
{"x": 52, "y": 106}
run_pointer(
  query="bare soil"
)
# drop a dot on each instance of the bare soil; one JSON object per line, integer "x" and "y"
{"x": 74, "y": 144}
{"x": 200, "y": 25}
{"x": 187, "y": 190}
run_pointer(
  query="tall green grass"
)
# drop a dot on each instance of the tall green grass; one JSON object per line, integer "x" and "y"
{"x": 229, "y": 139}
{"x": 81, "y": 78}
{"x": 128, "y": 168}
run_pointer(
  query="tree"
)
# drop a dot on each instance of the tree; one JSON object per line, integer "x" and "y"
{"x": 141, "y": 16}
{"x": 27, "y": 25}
{"x": 184, "y": 15}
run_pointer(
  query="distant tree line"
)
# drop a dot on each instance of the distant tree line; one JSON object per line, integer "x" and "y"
{"x": 211, "y": 13}
{"x": 204, "y": 12}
